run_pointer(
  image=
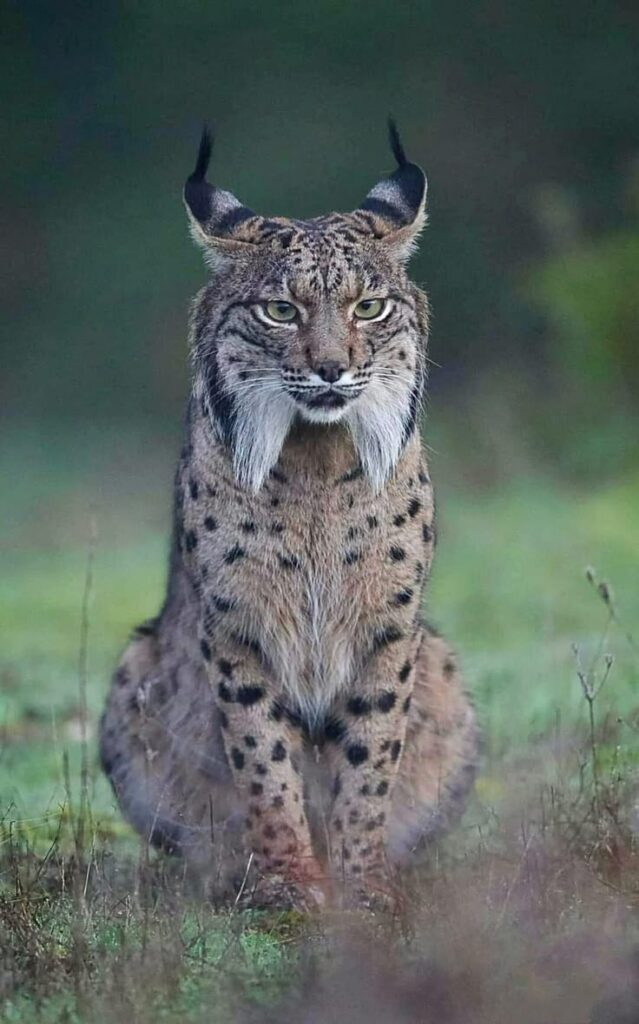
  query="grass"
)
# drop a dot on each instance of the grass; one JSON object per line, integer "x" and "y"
{"x": 542, "y": 869}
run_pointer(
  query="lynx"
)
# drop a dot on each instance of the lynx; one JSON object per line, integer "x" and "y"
{"x": 289, "y": 708}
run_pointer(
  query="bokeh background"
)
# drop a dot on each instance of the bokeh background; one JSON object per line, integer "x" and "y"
{"x": 524, "y": 115}
{"x": 526, "y": 118}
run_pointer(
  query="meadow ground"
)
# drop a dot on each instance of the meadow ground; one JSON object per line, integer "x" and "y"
{"x": 530, "y": 909}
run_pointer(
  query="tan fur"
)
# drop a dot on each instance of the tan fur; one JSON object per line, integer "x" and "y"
{"x": 290, "y": 652}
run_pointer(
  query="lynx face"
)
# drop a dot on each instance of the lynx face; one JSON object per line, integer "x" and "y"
{"x": 312, "y": 320}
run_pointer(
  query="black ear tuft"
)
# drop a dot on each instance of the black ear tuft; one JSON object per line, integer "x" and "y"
{"x": 396, "y": 143}
{"x": 204, "y": 155}
{"x": 197, "y": 191}
{"x": 398, "y": 202}
{"x": 215, "y": 214}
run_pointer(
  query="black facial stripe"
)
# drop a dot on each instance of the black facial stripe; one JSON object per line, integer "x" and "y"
{"x": 414, "y": 406}
{"x": 220, "y": 402}
{"x": 230, "y": 309}
{"x": 398, "y": 329}
{"x": 250, "y": 339}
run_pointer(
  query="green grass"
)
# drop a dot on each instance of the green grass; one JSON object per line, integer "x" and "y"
{"x": 509, "y": 589}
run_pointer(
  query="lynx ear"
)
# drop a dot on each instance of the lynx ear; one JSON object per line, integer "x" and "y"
{"x": 216, "y": 217}
{"x": 397, "y": 205}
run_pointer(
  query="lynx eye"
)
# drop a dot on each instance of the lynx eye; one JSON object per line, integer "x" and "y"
{"x": 369, "y": 309}
{"x": 281, "y": 312}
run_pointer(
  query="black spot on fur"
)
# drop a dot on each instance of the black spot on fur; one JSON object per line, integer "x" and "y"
{"x": 249, "y": 642}
{"x": 206, "y": 650}
{"x": 289, "y": 562}
{"x": 148, "y": 628}
{"x": 261, "y": 769}
{"x": 414, "y": 507}
{"x": 224, "y": 692}
{"x": 372, "y": 522}
{"x": 404, "y": 671}
{"x": 448, "y": 668}
{"x": 248, "y": 526}
{"x": 386, "y": 701}
{"x": 427, "y": 533}
{"x": 278, "y": 801}
{"x": 210, "y": 524}
{"x": 399, "y": 520}
{"x": 397, "y": 554}
{"x": 224, "y": 719}
{"x": 334, "y": 730}
{"x": 222, "y": 604}
{"x": 357, "y": 753}
{"x": 122, "y": 677}
{"x": 256, "y": 788}
{"x": 233, "y": 554}
{"x": 337, "y": 785}
{"x": 190, "y": 540}
{"x": 403, "y": 597}
{"x": 279, "y": 751}
{"x": 358, "y": 706}
{"x": 353, "y": 474}
{"x": 194, "y": 489}
{"x": 225, "y": 667}
{"x": 382, "y": 789}
{"x": 351, "y": 556}
{"x": 277, "y": 527}
{"x": 383, "y": 637}
{"x": 248, "y": 695}
{"x": 423, "y": 477}
{"x": 395, "y": 750}
{"x": 276, "y": 475}
{"x": 276, "y": 714}
{"x": 238, "y": 758}
{"x": 250, "y": 742}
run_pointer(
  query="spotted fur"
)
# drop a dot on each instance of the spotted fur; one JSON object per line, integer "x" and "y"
{"x": 290, "y": 657}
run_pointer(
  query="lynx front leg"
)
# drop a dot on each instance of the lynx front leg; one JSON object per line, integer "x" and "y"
{"x": 369, "y": 728}
{"x": 263, "y": 750}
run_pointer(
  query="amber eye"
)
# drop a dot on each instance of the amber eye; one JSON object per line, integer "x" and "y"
{"x": 281, "y": 312}
{"x": 368, "y": 309}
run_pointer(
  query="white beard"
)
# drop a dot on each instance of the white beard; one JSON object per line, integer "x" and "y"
{"x": 377, "y": 422}
{"x": 262, "y": 422}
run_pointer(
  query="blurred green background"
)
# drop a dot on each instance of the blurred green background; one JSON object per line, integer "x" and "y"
{"x": 526, "y": 119}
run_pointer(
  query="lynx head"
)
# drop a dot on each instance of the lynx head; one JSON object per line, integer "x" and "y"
{"x": 313, "y": 320}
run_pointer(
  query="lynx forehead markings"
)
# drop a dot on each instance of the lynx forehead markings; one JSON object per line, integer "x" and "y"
{"x": 302, "y": 540}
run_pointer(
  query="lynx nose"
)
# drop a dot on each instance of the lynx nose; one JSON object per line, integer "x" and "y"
{"x": 331, "y": 370}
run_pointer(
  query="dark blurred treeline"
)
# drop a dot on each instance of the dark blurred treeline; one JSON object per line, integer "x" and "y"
{"x": 525, "y": 116}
